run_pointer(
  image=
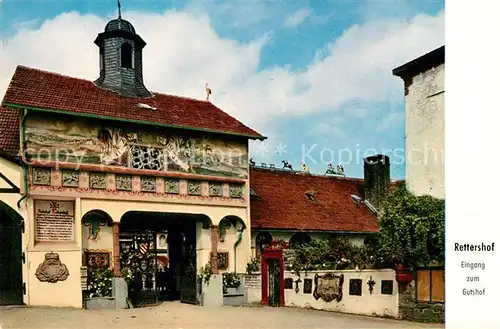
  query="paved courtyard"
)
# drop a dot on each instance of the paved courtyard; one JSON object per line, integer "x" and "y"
{"x": 182, "y": 316}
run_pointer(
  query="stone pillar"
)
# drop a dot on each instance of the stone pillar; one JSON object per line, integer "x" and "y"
{"x": 116, "y": 249}
{"x": 214, "y": 236}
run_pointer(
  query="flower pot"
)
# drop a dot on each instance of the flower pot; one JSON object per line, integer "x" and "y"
{"x": 232, "y": 291}
{"x": 404, "y": 278}
{"x": 403, "y": 275}
{"x": 100, "y": 303}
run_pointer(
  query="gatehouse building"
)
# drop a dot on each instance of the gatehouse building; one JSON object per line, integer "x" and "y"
{"x": 101, "y": 173}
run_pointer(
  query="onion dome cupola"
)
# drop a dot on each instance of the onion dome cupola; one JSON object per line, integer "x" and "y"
{"x": 120, "y": 52}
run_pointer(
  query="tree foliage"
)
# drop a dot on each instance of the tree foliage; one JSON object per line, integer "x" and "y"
{"x": 411, "y": 229}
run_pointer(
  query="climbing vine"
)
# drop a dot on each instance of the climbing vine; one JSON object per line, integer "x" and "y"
{"x": 411, "y": 229}
{"x": 206, "y": 273}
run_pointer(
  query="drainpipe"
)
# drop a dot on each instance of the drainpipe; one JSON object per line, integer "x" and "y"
{"x": 23, "y": 161}
{"x": 238, "y": 241}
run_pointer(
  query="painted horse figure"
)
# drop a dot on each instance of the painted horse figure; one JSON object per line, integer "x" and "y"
{"x": 286, "y": 165}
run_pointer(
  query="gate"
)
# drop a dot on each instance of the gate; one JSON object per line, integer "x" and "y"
{"x": 139, "y": 256}
{"x": 11, "y": 270}
{"x": 188, "y": 263}
{"x": 274, "y": 282}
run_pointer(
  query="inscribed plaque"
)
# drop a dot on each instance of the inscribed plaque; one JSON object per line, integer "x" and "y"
{"x": 54, "y": 220}
{"x": 252, "y": 281}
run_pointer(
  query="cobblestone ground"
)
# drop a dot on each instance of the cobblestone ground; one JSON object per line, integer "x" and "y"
{"x": 181, "y": 316}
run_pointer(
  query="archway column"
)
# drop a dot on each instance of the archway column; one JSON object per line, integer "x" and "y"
{"x": 116, "y": 249}
{"x": 214, "y": 237}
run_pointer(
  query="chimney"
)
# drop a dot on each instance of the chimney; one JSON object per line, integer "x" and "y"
{"x": 377, "y": 179}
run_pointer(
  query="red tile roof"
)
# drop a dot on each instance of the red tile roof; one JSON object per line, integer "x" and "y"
{"x": 281, "y": 203}
{"x": 9, "y": 131}
{"x": 51, "y": 91}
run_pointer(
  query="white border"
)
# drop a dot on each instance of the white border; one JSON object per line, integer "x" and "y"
{"x": 471, "y": 152}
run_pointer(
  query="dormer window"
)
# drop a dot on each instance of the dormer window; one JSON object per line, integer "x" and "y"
{"x": 311, "y": 196}
{"x": 126, "y": 55}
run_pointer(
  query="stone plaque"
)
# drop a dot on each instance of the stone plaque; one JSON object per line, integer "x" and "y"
{"x": 222, "y": 260}
{"x": 387, "y": 287}
{"x": 171, "y": 186}
{"x": 52, "y": 270}
{"x": 215, "y": 189}
{"x": 98, "y": 259}
{"x": 308, "y": 286}
{"x": 235, "y": 190}
{"x": 355, "y": 287}
{"x": 70, "y": 178}
{"x": 328, "y": 287}
{"x": 252, "y": 281}
{"x": 288, "y": 283}
{"x": 54, "y": 220}
{"x": 194, "y": 188}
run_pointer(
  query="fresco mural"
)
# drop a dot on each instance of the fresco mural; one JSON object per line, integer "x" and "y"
{"x": 85, "y": 143}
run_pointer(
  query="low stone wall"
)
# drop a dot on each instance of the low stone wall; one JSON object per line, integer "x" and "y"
{"x": 413, "y": 310}
{"x": 361, "y": 292}
{"x": 302, "y": 291}
{"x": 252, "y": 288}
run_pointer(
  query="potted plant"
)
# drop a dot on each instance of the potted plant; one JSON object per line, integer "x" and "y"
{"x": 253, "y": 266}
{"x": 100, "y": 289}
{"x": 230, "y": 283}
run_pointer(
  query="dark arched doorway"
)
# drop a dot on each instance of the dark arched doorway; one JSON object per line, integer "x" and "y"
{"x": 299, "y": 239}
{"x": 11, "y": 267}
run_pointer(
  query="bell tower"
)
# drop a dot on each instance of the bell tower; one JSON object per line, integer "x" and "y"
{"x": 120, "y": 59}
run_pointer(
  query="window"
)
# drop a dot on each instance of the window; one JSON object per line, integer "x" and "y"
{"x": 126, "y": 55}
{"x": 430, "y": 285}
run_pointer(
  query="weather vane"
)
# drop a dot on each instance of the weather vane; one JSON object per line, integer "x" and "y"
{"x": 119, "y": 9}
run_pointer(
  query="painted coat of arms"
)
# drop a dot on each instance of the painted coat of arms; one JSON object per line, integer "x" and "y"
{"x": 328, "y": 287}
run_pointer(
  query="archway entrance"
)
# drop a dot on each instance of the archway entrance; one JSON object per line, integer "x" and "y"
{"x": 159, "y": 251}
{"x": 11, "y": 268}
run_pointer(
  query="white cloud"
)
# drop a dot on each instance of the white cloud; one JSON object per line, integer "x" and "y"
{"x": 297, "y": 17}
{"x": 390, "y": 121}
{"x": 184, "y": 51}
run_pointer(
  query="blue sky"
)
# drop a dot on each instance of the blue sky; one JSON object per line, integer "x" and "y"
{"x": 307, "y": 74}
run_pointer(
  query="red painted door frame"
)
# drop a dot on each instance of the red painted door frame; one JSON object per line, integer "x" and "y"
{"x": 272, "y": 251}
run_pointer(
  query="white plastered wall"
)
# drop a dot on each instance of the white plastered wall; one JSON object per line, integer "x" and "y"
{"x": 424, "y": 108}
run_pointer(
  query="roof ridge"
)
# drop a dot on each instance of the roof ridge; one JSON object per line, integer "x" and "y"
{"x": 50, "y": 72}
{"x": 86, "y": 80}
{"x": 305, "y": 174}
{"x": 113, "y": 103}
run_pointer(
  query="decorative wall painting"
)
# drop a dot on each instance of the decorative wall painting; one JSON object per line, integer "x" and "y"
{"x": 87, "y": 142}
